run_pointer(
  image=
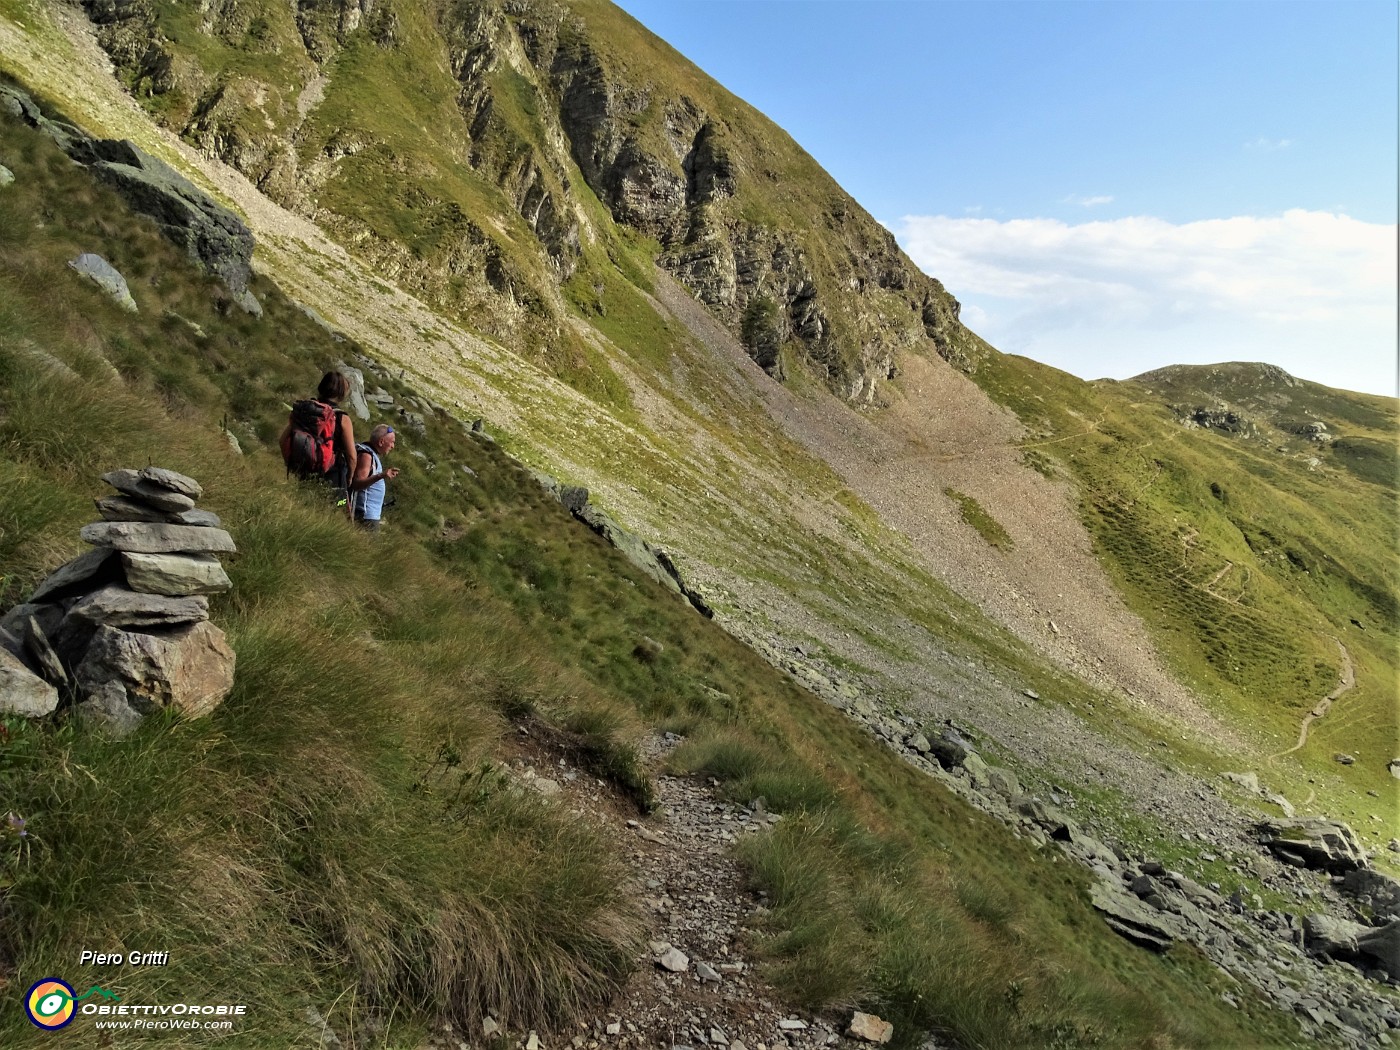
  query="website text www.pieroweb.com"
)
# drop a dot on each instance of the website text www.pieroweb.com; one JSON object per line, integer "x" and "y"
{"x": 53, "y": 1003}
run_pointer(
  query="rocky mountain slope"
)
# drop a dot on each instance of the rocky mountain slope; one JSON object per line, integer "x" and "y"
{"x": 443, "y": 139}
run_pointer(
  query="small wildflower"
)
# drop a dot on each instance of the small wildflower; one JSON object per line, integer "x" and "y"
{"x": 16, "y": 824}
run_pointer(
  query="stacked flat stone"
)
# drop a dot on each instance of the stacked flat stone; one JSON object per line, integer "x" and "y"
{"x": 123, "y": 630}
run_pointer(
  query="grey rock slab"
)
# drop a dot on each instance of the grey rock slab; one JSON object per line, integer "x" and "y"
{"x": 105, "y": 276}
{"x": 706, "y": 972}
{"x": 115, "y": 606}
{"x": 22, "y": 692}
{"x": 1131, "y": 918}
{"x": 172, "y": 480}
{"x": 123, "y": 508}
{"x": 6, "y": 176}
{"x": 151, "y": 538}
{"x": 1004, "y": 783}
{"x": 189, "y": 669}
{"x": 175, "y": 575}
{"x": 132, "y": 483}
{"x": 90, "y": 566}
{"x": 203, "y": 519}
{"x": 792, "y": 1024}
{"x": 1336, "y": 937}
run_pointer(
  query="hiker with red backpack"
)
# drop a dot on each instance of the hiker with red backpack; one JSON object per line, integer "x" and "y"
{"x": 319, "y": 440}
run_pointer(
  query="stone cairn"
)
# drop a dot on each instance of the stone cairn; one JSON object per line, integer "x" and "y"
{"x": 123, "y": 630}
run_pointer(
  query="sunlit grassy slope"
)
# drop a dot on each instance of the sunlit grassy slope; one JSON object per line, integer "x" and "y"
{"x": 1252, "y": 556}
{"x": 340, "y": 834}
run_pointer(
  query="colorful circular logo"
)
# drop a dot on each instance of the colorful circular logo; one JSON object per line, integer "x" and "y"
{"x": 49, "y": 1003}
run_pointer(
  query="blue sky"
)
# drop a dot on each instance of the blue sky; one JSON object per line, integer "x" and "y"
{"x": 1107, "y": 186}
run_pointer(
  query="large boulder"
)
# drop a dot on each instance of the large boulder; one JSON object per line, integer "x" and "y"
{"x": 949, "y": 748}
{"x": 211, "y": 235}
{"x": 1376, "y": 894}
{"x": 22, "y": 692}
{"x": 1334, "y": 937}
{"x": 126, "y": 674}
{"x": 1382, "y": 945}
{"x": 1315, "y": 842}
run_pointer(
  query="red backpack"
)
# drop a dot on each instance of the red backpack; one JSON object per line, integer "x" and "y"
{"x": 310, "y": 448}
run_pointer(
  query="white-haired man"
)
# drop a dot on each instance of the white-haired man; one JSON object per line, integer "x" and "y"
{"x": 367, "y": 487}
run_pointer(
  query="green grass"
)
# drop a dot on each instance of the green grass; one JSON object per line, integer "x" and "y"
{"x": 976, "y": 515}
{"x": 1247, "y": 564}
{"x": 339, "y": 833}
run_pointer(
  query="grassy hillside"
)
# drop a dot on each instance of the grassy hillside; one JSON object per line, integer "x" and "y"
{"x": 1251, "y": 556}
{"x": 342, "y": 832}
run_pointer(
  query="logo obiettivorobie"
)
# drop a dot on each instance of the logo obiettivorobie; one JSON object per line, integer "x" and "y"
{"x": 50, "y": 1003}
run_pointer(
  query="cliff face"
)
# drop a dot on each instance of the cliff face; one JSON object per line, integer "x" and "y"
{"x": 485, "y": 153}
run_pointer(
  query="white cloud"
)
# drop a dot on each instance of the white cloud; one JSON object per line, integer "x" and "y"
{"x": 1313, "y": 292}
{"x": 1268, "y": 144}
{"x": 1087, "y": 202}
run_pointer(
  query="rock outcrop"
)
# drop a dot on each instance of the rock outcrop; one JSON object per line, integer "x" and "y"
{"x": 123, "y": 630}
{"x": 1329, "y": 845}
{"x": 212, "y": 235}
{"x": 542, "y": 97}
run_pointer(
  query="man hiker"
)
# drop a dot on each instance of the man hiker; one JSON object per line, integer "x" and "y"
{"x": 367, "y": 487}
{"x": 319, "y": 440}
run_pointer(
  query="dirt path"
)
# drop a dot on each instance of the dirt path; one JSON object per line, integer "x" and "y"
{"x": 1345, "y": 680}
{"x": 694, "y": 984}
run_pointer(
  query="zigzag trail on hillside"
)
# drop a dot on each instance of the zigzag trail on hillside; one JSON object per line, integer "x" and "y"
{"x": 1346, "y": 679}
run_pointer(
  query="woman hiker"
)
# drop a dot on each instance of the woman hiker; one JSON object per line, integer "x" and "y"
{"x": 367, "y": 486}
{"x": 319, "y": 439}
